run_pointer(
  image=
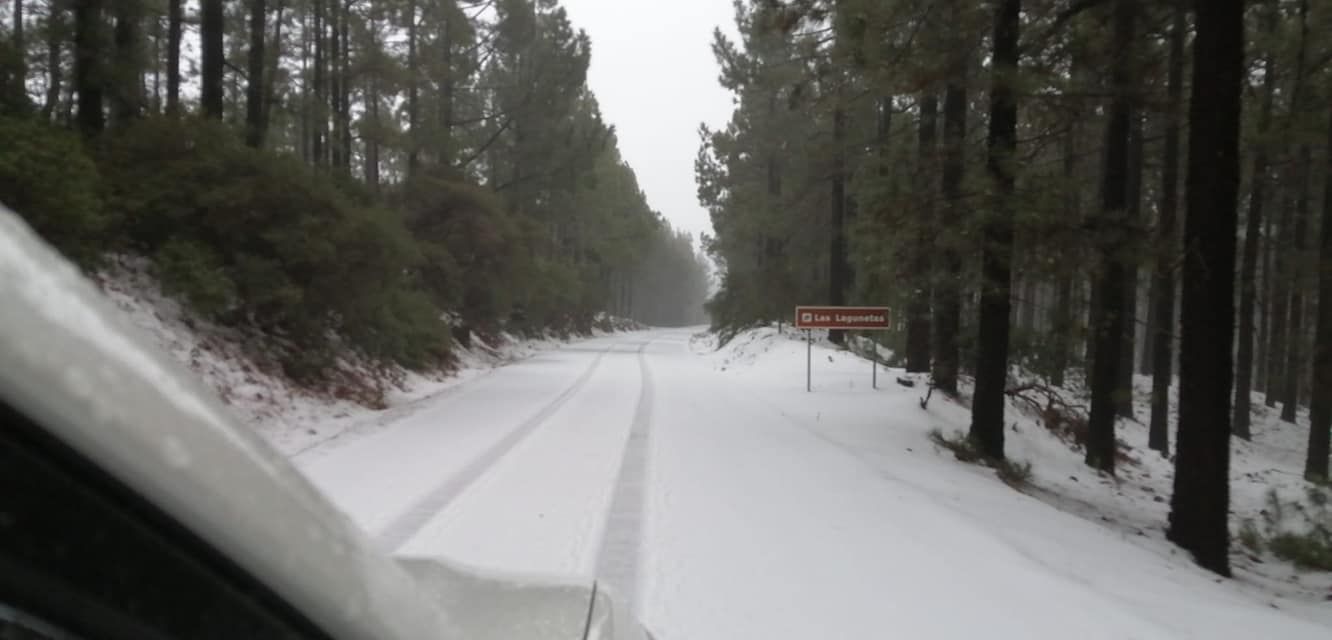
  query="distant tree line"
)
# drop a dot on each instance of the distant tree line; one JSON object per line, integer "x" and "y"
{"x": 1085, "y": 188}
{"x": 337, "y": 173}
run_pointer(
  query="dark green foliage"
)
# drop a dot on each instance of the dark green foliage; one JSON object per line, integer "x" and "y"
{"x": 468, "y": 245}
{"x": 195, "y": 272}
{"x": 46, "y": 177}
{"x": 248, "y": 237}
{"x": 468, "y": 173}
{"x": 1310, "y": 550}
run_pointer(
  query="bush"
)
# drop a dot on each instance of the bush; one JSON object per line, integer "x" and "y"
{"x": 1250, "y": 537}
{"x": 1310, "y": 550}
{"x": 248, "y": 237}
{"x": 1297, "y": 531}
{"x": 194, "y": 272}
{"x": 46, "y": 177}
{"x": 1013, "y": 474}
{"x": 471, "y": 247}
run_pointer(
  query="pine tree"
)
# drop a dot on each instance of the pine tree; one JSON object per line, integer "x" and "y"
{"x": 211, "y": 29}
{"x": 1240, "y": 419}
{"x": 1320, "y": 406}
{"x": 918, "y": 320}
{"x": 987, "y": 414}
{"x": 1167, "y": 244}
{"x": 948, "y": 285}
{"x": 175, "y": 18}
{"x": 254, "y": 87}
{"x": 1113, "y": 228}
{"x": 1199, "y": 507}
{"x": 89, "y": 73}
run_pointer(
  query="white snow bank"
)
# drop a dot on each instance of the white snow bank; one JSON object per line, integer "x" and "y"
{"x": 1125, "y": 554}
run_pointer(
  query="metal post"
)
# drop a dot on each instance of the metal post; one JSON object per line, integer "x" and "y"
{"x": 874, "y": 363}
{"x": 809, "y": 358}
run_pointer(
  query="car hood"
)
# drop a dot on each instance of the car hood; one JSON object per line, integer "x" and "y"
{"x": 488, "y": 606}
{"x": 76, "y": 366}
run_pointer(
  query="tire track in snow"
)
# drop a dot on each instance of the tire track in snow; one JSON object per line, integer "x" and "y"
{"x": 406, "y": 525}
{"x": 618, "y": 559}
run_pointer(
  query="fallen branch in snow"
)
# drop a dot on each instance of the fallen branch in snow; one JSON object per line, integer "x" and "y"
{"x": 1059, "y": 416}
{"x": 1066, "y": 420}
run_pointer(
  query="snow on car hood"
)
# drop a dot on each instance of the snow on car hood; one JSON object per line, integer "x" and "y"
{"x": 68, "y": 360}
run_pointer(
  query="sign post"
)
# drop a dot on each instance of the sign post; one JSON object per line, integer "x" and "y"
{"x": 874, "y": 364}
{"x": 849, "y": 318}
{"x": 809, "y": 358}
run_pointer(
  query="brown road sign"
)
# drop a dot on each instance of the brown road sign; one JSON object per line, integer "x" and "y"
{"x": 854, "y": 318}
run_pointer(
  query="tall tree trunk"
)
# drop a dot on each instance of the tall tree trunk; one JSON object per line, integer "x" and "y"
{"x": 1320, "y": 403}
{"x": 837, "y": 267}
{"x": 948, "y": 286}
{"x": 317, "y": 114}
{"x": 156, "y": 105}
{"x": 446, "y": 87}
{"x": 1112, "y": 229}
{"x": 54, "y": 73}
{"x": 274, "y": 64}
{"x": 1240, "y": 420}
{"x": 335, "y": 83}
{"x": 307, "y": 153}
{"x": 1303, "y": 160}
{"x": 70, "y": 99}
{"x": 345, "y": 84}
{"x": 175, "y": 20}
{"x": 1295, "y": 333}
{"x": 126, "y": 97}
{"x": 1167, "y": 244}
{"x": 413, "y": 92}
{"x": 1264, "y": 304}
{"x": 918, "y": 310}
{"x": 254, "y": 87}
{"x": 987, "y": 409}
{"x": 768, "y": 251}
{"x": 1061, "y": 314}
{"x": 1280, "y": 294}
{"x": 19, "y": 87}
{"x": 1199, "y": 508}
{"x": 212, "y": 24}
{"x": 372, "y": 137}
{"x": 1133, "y": 215}
{"x": 89, "y": 72}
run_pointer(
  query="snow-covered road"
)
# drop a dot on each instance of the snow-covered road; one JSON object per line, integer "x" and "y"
{"x": 724, "y": 502}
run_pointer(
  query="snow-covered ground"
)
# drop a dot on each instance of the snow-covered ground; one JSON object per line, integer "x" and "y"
{"x": 251, "y": 382}
{"x": 707, "y": 488}
{"x": 768, "y": 512}
{"x": 882, "y": 530}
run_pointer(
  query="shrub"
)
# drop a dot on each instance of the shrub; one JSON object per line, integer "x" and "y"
{"x": 251, "y": 237}
{"x": 1310, "y": 550}
{"x": 1299, "y": 533}
{"x": 46, "y": 177}
{"x": 1012, "y": 473}
{"x": 471, "y": 248}
{"x": 1250, "y": 536}
{"x": 961, "y": 446}
{"x": 194, "y": 271}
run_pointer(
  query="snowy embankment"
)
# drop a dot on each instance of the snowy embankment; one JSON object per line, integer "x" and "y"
{"x": 251, "y": 382}
{"x": 1094, "y": 532}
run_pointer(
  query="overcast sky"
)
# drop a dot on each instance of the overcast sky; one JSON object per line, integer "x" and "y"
{"x": 656, "y": 80}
